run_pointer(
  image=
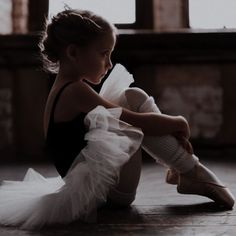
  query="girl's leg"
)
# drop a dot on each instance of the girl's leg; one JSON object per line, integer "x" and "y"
{"x": 124, "y": 193}
{"x": 187, "y": 172}
{"x": 164, "y": 149}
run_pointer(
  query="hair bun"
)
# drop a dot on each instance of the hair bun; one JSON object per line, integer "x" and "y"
{"x": 71, "y": 27}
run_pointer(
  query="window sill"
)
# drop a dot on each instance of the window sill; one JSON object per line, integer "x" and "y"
{"x": 135, "y": 47}
{"x": 147, "y": 46}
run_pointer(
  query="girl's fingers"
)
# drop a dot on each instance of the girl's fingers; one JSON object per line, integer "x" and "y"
{"x": 184, "y": 143}
{"x": 188, "y": 147}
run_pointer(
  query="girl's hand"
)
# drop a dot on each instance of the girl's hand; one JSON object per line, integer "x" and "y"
{"x": 183, "y": 130}
{"x": 183, "y": 135}
{"x": 184, "y": 142}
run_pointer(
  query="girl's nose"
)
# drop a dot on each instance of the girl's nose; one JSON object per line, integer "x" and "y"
{"x": 109, "y": 63}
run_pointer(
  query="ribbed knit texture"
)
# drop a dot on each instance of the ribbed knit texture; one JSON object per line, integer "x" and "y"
{"x": 164, "y": 149}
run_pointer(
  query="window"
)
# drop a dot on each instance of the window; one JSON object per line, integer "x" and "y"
{"x": 13, "y": 16}
{"x": 116, "y": 11}
{"x": 212, "y": 14}
{"x": 5, "y": 17}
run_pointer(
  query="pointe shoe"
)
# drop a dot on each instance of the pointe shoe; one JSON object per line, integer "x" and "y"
{"x": 204, "y": 182}
{"x": 172, "y": 177}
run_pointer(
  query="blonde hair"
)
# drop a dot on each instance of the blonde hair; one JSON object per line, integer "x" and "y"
{"x": 70, "y": 27}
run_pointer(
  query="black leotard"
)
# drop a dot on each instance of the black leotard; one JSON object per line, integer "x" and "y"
{"x": 65, "y": 140}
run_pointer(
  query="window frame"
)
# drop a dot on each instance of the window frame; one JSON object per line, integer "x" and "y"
{"x": 38, "y": 12}
{"x": 143, "y": 16}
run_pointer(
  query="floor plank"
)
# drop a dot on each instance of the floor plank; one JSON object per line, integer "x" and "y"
{"x": 157, "y": 210}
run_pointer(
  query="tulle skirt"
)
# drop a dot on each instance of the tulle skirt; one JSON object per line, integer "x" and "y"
{"x": 37, "y": 201}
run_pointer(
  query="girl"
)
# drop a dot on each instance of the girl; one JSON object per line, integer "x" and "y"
{"x": 95, "y": 139}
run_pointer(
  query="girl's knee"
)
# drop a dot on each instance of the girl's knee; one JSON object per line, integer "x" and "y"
{"x": 139, "y": 101}
{"x": 135, "y": 98}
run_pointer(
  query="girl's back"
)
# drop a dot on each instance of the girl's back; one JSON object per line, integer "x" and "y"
{"x": 64, "y": 139}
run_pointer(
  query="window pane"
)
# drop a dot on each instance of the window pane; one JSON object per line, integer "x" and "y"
{"x": 212, "y": 14}
{"x": 5, "y": 17}
{"x": 116, "y": 11}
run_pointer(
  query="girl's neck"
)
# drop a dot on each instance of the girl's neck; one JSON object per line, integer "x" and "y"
{"x": 67, "y": 73}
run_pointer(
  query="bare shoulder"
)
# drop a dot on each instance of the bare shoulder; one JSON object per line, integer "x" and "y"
{"x": 84, "y": 98}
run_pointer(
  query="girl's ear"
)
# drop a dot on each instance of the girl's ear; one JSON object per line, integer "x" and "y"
{"x": 72, "y": 52}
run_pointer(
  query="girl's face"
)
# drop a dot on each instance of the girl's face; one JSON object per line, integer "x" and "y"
{"x": 94, "y": 61}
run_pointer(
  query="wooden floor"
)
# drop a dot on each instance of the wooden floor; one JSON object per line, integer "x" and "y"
{"x": 157, "y": 210}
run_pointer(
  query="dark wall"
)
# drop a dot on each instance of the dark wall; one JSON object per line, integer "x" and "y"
{"x": 188, "y": 74}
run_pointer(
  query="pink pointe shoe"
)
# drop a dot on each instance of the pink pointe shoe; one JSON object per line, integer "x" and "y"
{"x": 172, "y": 177}
{"x": 201, "y": 181}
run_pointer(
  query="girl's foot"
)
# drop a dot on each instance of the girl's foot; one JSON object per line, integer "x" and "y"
{"x": 201, "y": 181}
{"x": 172, "y": 177}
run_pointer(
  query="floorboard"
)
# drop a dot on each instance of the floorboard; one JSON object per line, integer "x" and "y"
{"x": 157, "y": 210}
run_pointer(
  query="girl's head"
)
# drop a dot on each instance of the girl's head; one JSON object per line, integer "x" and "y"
{"x": 72, "y": 28}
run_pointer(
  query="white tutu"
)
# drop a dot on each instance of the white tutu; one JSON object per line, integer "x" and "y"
{"x": 115, "y": 85}
{"x": 37, "y": 201}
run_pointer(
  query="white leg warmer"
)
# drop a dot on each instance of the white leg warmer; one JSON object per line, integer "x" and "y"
{"x": 164, "y": 149}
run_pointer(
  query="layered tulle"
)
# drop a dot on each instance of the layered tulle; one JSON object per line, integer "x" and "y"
{"x": 115, "y": 85}
{"x": 37, "y": 201}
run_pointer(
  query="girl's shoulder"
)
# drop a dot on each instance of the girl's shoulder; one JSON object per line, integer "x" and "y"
{"x": 58, "y": 103}
{"x": 71, "y": 98}
{"x": 75, "y": 98}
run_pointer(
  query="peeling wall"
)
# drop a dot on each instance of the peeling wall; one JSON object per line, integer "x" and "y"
{"x": 194, "y": 92}
{"x": 170, "y": 14}
{"x": 202, "y": 93}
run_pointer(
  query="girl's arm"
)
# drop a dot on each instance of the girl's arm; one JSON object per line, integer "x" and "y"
{"x": 83, "y": 99}
{"x": 155, "y": 123}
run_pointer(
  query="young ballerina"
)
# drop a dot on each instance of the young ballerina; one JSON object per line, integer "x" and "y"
{"x": 95, "y": 139}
